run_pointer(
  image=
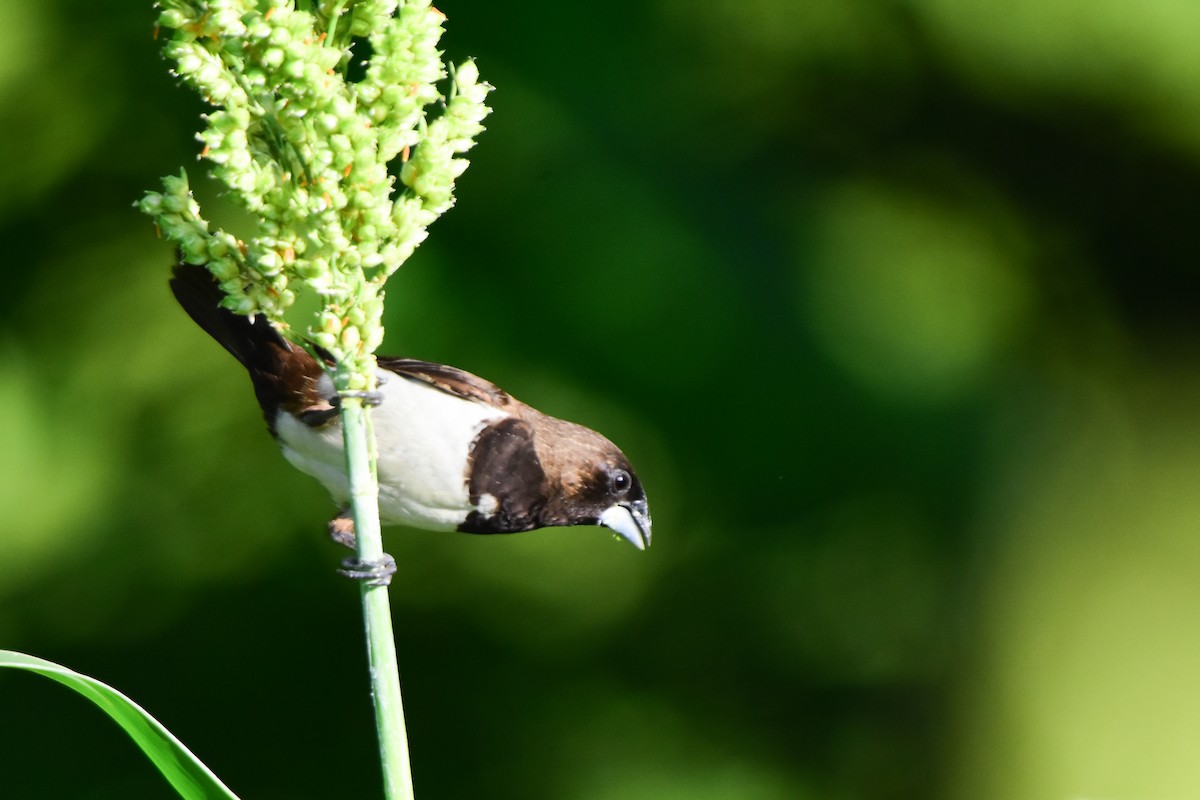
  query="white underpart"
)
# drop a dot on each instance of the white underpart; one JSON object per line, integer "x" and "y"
{"x": 424, "y": 439}
{"x": 488, "y": 504}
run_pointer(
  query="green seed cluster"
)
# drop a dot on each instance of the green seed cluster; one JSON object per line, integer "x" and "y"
{"x": 307, "y": 152}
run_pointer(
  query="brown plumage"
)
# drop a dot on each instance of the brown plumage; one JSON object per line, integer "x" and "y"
{"x": 455, "y": 450}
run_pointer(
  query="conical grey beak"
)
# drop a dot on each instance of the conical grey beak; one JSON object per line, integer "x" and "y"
{"x": 631, "y": 523}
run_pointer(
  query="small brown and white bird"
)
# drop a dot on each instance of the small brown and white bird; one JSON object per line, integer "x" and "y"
{"x": 455, "y": 452}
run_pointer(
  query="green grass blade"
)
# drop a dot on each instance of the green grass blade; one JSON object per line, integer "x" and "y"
{"x": 181, "y": 768}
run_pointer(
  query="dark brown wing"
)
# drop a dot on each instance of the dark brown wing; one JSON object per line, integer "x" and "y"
{"x": 450, "y": 380}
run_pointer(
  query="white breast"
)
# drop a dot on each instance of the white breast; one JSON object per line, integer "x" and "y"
{"x": 424, "y": 438}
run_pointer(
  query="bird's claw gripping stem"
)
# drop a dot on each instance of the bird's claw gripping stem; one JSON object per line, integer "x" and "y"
{"x": 375, "y": 573}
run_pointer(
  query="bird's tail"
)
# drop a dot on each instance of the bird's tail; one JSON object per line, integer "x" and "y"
{"x": 283, "y": 374}
{"x": 251, "y": 340}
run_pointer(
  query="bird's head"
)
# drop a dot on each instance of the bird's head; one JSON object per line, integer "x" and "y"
{"x": 596, "y": 484}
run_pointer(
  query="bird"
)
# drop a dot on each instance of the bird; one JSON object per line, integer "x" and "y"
{"x": 455, "y": 452}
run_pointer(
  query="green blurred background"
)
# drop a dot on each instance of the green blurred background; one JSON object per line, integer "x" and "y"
{"x": 893, "y": 303}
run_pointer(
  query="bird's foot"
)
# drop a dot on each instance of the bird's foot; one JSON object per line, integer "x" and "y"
{"x": 341, "y": 529}
{"x": 375, "y": 573}
{"x": 368, "y": 398}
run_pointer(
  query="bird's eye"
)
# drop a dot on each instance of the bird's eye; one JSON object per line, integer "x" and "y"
{"x": 621, "y": 481}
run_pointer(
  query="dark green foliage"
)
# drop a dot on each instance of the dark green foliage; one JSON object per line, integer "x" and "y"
{"x": 893, "y": 304}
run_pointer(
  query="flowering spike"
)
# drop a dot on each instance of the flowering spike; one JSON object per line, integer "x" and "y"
{"x": 307, "y": 151}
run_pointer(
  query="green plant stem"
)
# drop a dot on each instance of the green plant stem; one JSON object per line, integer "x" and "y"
{"x": 377, "y": 613}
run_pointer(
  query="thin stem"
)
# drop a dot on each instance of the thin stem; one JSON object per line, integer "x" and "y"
{"x": 334, "y": 15}
{"x": 377, "y": 613}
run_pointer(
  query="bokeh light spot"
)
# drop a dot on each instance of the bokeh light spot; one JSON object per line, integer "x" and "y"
{"x": 912, "y": 295}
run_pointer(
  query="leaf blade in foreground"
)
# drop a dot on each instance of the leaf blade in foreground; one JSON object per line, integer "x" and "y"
{"x": 186, "y": 773}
